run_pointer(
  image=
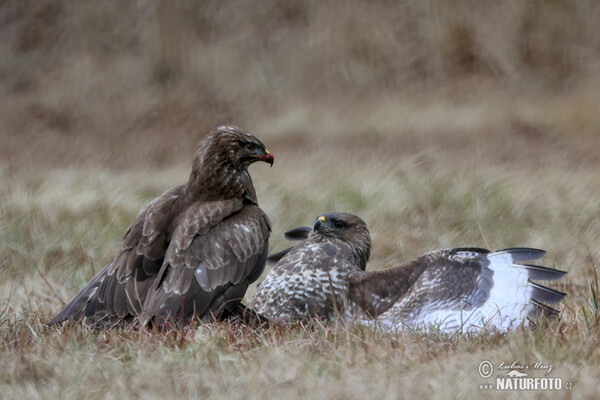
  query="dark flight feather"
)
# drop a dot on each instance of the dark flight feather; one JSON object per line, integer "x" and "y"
{"x": 540, "y": 273}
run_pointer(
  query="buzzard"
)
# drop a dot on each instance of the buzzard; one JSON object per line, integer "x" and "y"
{"x": 312, "y": 279}
{"x": 460, "y": 289}
{"x": 191, "y": 252}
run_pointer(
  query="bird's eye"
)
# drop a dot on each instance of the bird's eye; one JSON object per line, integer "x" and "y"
{"x": 338, "y": 224}
{"x": 250, "y": 146}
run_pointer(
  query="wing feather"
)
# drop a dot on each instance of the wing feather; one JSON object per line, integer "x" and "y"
{"x": 501, "y": 295}
{"x": 429, "y": 274}
{"x": 300, "y": 233}
{"x": 545, "y": 294}
{"x": 541, "y": 273}
{"x": 198, "y": 272}
{"x": 108, "y": 292}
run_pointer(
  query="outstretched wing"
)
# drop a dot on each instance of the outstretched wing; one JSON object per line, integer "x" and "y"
{"x": 470, "y": 289}
{"x": 212, "y": 258}
{"x": 445, "y": 273}
{"x": 118, "y": 291}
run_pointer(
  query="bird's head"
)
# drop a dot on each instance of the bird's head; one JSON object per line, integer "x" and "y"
{"x": 231, "y": 145}
{"x": 220, "y": 168}
{"x": 348, "y": 228}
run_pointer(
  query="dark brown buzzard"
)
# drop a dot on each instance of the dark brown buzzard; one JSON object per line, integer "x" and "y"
{"x": 191, "y": 252}
{"x": 460, "y": 289}
{"x": 312, "y": 279}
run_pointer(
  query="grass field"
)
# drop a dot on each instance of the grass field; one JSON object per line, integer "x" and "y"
{"x": 476, "y": 125}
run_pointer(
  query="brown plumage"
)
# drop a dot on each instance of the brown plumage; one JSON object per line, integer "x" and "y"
{"x": 457, "y": 290}
{"x": 466, "y": 289}
{"x": 312, "y": 279}
{"x": 191, "y": 252}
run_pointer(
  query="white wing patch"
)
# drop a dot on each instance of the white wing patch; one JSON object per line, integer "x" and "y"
{"x": 462, "y": 254}
{"x": 500, "y": 300}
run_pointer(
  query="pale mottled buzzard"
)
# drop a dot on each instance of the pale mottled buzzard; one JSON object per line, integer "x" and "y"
{"x": 193, "y": 251}
{"x": 312, "y": 279}
{"x": 460, "y": 289}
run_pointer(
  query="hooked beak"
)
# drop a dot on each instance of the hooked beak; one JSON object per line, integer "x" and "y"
{"x": 267, "y": 157}
{"x": 319, "y": 223}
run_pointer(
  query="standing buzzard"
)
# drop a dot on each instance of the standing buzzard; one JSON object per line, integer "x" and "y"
{"x": 191, "y": 252}
{"x": 312, "y": 279}
{"x": 466, "y": 289}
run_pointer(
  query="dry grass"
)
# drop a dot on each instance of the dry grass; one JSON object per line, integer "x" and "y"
{"x": 471, "y": 125}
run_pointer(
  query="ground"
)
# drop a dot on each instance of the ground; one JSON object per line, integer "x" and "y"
{"x": 447, "y": 132}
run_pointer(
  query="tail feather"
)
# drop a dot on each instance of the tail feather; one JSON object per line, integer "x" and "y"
{"x": 86, "y": 302}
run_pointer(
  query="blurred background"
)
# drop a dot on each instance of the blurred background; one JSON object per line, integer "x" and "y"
{"x": 124, "y": 82}
{"x": 440, "y": 123}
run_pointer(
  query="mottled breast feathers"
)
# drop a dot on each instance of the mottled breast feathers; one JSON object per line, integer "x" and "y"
{"x": 312, "y": 279}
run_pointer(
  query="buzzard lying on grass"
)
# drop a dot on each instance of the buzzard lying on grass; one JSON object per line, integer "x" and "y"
{"x": 450, "y": 290}
{"x": 193, "y": 251}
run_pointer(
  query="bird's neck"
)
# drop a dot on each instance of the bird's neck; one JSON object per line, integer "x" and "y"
{"x": 360, "y": 255}
{"x": 221, "y": 181}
